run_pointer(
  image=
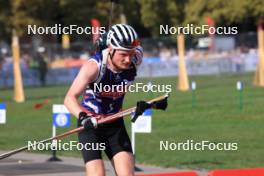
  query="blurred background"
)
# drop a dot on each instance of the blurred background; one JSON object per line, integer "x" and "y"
{"x": 205, "y": 54}
{"x": 215, "y": 111}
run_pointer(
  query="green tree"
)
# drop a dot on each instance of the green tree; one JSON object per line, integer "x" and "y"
{"x": 224, "y": 12}
{"x": 161, "y": 12}
{"x": 5, "y": 13}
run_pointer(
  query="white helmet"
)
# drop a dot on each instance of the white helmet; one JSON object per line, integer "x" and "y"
{"x": 122, "y": 36}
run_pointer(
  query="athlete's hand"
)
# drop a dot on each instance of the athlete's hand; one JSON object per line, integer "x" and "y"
{"x": 141, "y": 107}
{"x": 87, "y": 121}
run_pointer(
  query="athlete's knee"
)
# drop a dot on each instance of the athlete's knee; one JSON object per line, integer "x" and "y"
{"x": 95, "y": 168}
{"x": 125, "y": 173}
{"x": 94, "y": 172}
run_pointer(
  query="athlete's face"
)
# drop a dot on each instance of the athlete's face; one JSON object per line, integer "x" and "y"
{"x": 122, "y": 59}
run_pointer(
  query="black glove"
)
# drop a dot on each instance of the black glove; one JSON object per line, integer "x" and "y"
{"x": 141, "y": 107}
{"x": 161, "y": 104}
{"x": 87, "y": 121}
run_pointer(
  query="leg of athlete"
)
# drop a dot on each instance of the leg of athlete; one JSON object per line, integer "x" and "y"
{"x": 123, "y": 163}
{"x": 95, "y": 168}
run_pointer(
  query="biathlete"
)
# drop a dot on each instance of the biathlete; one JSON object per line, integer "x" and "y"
{"x": 115, "y": 64}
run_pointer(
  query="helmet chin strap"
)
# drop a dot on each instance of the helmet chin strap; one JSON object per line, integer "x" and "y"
{"x": 113, "y": 63}
{"x": 112, "y": 55}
